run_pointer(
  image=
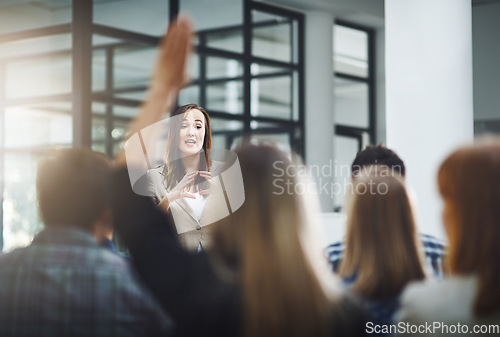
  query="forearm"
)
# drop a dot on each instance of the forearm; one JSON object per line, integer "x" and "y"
{"x": 160, "y": 101}
{"x": 169, "y": 76}
{"x": 164, "y": 204}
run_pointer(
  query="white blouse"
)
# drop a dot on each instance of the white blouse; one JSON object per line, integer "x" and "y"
{"x": 197, "y": 205}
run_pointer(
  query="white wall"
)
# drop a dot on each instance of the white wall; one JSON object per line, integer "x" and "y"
{"x": 428, "y": 91}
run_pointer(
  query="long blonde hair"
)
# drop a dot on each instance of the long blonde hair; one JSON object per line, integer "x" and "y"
{"x": 263, "y": 241}
{"x": 381, "y": 246}
{"x": 469, "y": 182}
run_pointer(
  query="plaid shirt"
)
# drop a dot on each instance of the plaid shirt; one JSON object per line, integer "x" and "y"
{"x": 434, "y": 249}
{"x": 64, "y": 284}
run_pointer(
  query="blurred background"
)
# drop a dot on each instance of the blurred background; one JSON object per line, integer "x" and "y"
{"x": 72, "y": 73}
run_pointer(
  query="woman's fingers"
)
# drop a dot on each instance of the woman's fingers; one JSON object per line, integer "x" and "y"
{"x": 205, "y": 174}
{"x": 190, "y": 176}
{"x": 185, "y": 193}
{"x": 209, "y": 178}
{"x": 189, "y": 195}
{"x": 203, "y": 192}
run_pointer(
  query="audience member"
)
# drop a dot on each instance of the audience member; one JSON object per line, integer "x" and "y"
{"x": 64, "y": 284}
{"x": 103, "y": 234}
{"x": 435, "y": 249}
{"x": 382, "y": 250}
{"x": 259, "y": 280}
{"x": 469, "y": 183}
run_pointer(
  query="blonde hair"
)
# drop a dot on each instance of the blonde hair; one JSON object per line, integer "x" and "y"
{"x": 469, "y": 182}
{"x": 381, "y": 245}
{"x": 284, "y": 293}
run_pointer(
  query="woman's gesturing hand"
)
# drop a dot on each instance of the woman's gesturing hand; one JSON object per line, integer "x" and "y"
{"x": 210, "y": 179}
{"x": 181, "y": 190}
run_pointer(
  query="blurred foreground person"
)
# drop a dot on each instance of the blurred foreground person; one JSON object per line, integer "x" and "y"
{"x": 435, "y": 249}
{"x": 64, "y": 283}
{"x": 469, "y": 183}
{"x": 382, "y": 250}
{"x": 259, "y": 278}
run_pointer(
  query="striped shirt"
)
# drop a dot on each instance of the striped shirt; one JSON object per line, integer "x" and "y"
{"x": 64, "y": 284}
{"x": 434, "y": 250}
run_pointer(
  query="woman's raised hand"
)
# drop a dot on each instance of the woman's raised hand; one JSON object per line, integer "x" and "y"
{"x": 169, "y": 76}
{"x": 170, "y": 72}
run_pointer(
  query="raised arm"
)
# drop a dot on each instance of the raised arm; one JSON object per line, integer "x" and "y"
{"x": 184, "y": 284}
{"x": 169, "y": 77}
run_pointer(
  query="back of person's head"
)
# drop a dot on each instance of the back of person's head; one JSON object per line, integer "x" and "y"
{"x": 377, "y": 155}
{"x": 469, "y": 183}
{"x": 73, "y": 188}
{"x": 264, "y": 241}
{"x": 381, "y": 244}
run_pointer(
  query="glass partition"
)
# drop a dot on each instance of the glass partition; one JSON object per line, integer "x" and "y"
{"x": 247, "y": 71}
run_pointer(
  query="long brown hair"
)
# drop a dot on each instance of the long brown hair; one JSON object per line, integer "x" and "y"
{"x": 264, "y": 242}
{"x": 173, "y": 170}
{"x": 381, "y": 246}
{"x": 469, "y": 182}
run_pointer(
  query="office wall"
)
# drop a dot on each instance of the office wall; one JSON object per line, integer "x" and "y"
{"x": 429, "y": 92}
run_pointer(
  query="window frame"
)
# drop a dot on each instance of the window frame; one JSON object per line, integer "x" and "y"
{"x": 351, "y": 131}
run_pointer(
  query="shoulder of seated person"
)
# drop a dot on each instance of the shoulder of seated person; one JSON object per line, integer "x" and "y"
{"x": 447, "y": 300}
{"x": 432, "y": 239}
{"x": 335, "y": 247}
{"x": 434, "y": 290}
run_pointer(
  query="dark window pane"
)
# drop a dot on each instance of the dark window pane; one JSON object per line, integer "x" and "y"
{"x": 351, "y": 103}
{"x": 133, "y": 66}
{"x": 272, "y": 37}
{"x": 98, "y": 129}
{"x": 23, "y": 15}
{"x": 345, "y": 150}
{"x": 144, "y": 16}
{"x": 272, "y": 97}
{"x": 270, "y": 133}
{"x": 219, "y": 21}
{"x": 219, "y": 67}
{"x": 37, "y": 67}
{"x": 189, "y": 95}
{"x": 224, "y": 131}
{"x": 350, "y": 51}
{"x": 225, "y": 97}
{"x": 20, "y": 212}
{"x": 38, "y": 125}
{"x": 230, "y": 40}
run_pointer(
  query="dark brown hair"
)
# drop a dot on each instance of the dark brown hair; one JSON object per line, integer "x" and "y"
{"x": 469, "y": 182}
{"x": 73, "y": 187}
{"x": 377, "y": 155}
{"x": 173, "y": 170}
